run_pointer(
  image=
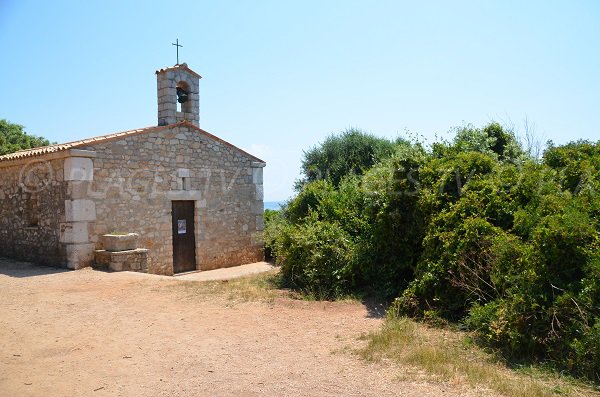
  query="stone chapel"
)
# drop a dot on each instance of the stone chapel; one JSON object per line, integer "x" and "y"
{"x": 194, "y": 200}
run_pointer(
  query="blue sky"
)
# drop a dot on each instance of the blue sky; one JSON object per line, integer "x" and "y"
{"x": 279, "y": 76}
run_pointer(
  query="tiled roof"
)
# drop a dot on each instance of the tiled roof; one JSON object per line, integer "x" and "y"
{"x": 183, "y": 66}
{"x": 42, "y": 150}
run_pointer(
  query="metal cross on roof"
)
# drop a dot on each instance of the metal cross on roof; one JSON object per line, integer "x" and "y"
{"x": 177, "y": 45}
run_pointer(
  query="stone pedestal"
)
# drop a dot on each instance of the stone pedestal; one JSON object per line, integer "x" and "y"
{"x": 135, "y": 260}
{"x": 120, "y": 253}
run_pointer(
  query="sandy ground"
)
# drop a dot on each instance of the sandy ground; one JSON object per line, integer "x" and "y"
{"x": 91, "y": 333}
{"x": 227, "y": 273}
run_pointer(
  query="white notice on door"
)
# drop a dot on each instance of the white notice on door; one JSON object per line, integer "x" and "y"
{"x": 181, "y": 226}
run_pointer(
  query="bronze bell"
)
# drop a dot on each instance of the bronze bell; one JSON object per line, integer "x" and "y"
{"x": 182, "y": 95}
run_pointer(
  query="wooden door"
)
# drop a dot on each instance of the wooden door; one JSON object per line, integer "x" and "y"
{"x": 184, "y": 240}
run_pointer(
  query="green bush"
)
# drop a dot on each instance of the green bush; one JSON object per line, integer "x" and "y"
{"x": 350, "y": 153}
{"x": 274, "y": 223}
{"x": 492, "y": 140}
{"x": 586, "y": 353}
{"x": 315, "y": 258}
{"x": 310, "y": 198}
{"x": 578, "y": 163}
{"x": 471, "y": 231}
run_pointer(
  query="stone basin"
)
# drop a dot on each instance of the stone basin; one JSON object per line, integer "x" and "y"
{"x": 119, "y": 241}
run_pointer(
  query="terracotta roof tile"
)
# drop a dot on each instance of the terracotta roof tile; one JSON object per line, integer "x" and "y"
{"x": 38, "y": 151}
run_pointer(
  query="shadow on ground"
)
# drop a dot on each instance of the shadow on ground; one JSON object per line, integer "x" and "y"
{"x": 18, "y": 269}
{"x": 375, "y": 308}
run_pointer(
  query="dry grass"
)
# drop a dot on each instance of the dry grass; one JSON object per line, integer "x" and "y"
{"x": 262, "y": 287}
{"x": 448, "y": 355}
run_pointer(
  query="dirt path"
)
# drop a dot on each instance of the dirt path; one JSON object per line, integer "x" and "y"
{"x": 90, "y": 333}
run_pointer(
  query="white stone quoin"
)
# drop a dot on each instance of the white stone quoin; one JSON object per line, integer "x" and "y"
{"x": 78, "y": 169}
{"x": 74, "y": 232}
{"x": 79, "y": 255}
{"x": 80, "y": 210}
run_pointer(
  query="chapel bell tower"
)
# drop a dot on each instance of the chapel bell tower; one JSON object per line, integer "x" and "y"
{"x": 178, "y": 95}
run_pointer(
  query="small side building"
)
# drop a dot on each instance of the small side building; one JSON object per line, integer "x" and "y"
{"x": 195, "y": 200}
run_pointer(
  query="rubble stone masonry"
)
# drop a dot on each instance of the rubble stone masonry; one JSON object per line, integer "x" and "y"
{"x": 136, "y": 178}
{"x": 41, "y": 217}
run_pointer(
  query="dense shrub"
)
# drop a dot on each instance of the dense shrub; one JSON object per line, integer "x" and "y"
{"x": 577, "y": 162}
{"x": 512, "y": 255}
{"x": 350, "y": 153}
{"x": 315, "y": 257}
{"x": 312, "y": 231}
{"x": 387, "y": 254}
{"x": 492, "y": 140}
{"x": 274, "y": 223}
{"x": 471, "y": 231}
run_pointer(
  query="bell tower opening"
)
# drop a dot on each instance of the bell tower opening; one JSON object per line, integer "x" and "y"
{"x": 184, "y": 104}
{"x": 178, "y": 95}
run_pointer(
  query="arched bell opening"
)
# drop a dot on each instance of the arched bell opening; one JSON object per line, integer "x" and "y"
{"x": 184, "y": 97}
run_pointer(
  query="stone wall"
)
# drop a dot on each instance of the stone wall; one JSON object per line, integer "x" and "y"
{"x": 137, "y": 177}
{"x": 32, "y": 211}
{"x": 45, "y": 216}
{"x": 54, "y": 208}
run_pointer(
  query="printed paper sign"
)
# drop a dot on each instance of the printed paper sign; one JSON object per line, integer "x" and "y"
{"x": 181, "y": 229}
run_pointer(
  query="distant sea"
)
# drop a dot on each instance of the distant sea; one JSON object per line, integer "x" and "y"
{"x": 273, "y": 205}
